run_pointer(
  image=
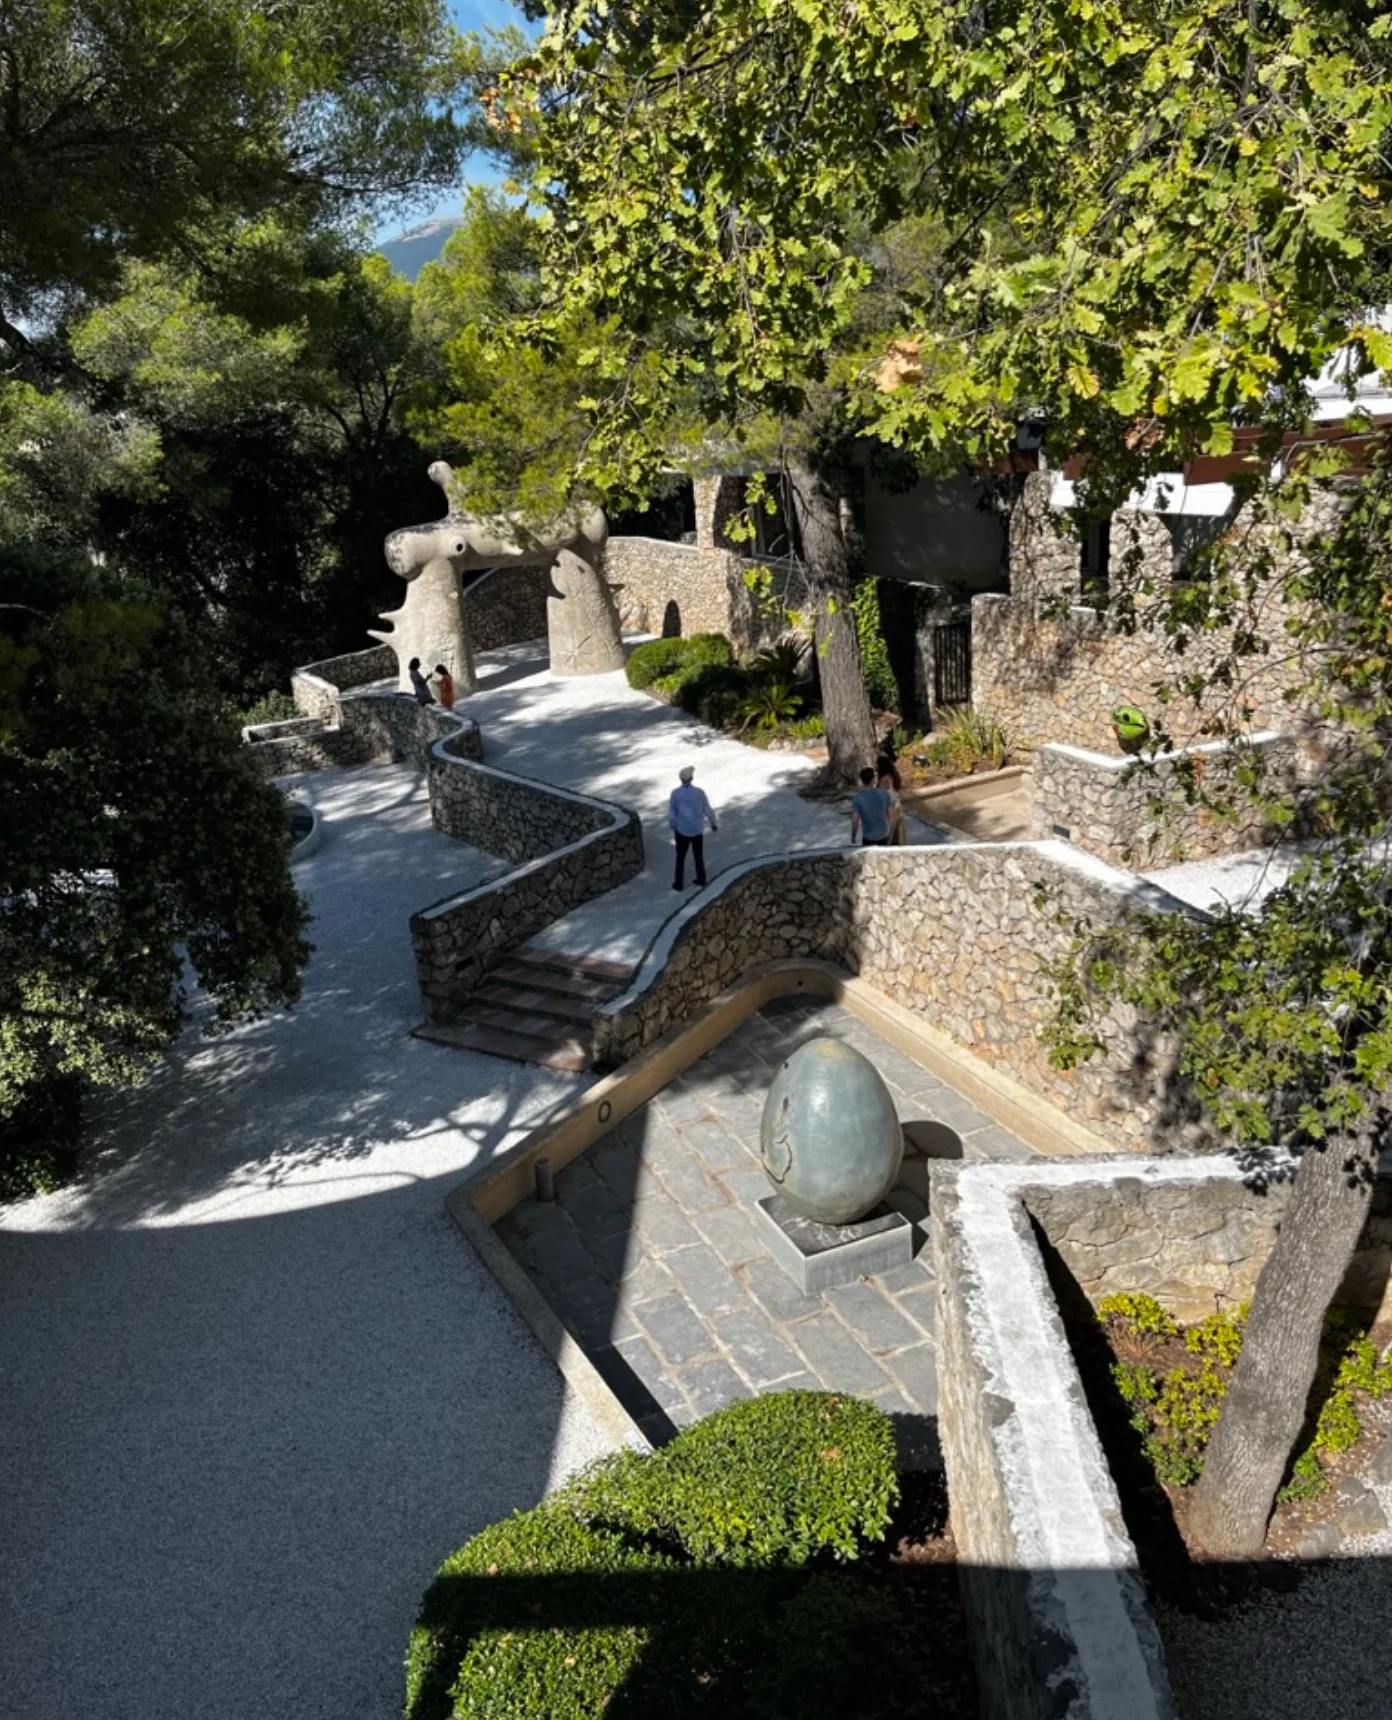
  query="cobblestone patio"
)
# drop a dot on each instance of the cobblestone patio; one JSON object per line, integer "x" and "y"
{"x": 649, "y": 1256}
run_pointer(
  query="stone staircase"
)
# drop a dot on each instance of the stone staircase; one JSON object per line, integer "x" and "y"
{"x": 536, "y": 1007}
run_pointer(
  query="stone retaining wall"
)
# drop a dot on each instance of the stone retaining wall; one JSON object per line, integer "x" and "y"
{"x": 566, "y": 848}
{"x": 1051, "y": 668}
{"x": 573, "y": 848}
{"x": 1111, "y": 805}
{"x": 690, "y": 588}
{"x": 1196, "y": 1246}
{"x": 1057, "y": 1613}
{"x": 958, "y": 934}
{"x": 1056, "y": 1609}
{"x": 507, "y": 606}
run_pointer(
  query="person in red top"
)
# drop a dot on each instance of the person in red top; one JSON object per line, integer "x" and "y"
{"x": 444, "y": 686}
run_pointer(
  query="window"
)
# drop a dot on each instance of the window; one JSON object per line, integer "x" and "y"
{"x": 1095, "y": 559}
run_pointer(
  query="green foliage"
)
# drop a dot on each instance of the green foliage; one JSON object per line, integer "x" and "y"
{"x": 39, "y": 1138}
{"x": 145, "y": 130}
{"x": 1138, "y": 1313}
{"x": 874, "y": 653}
{"x": 969, "y": 741}
{"x": 271, "y": 707}
{"x": 1164, "y": 248}
{"x": 768, "y": 705}
{"x": 1350, "y": 1368}
{"x": 670, "y": 660}
{"x": 1218, "y": 1337}
{"x": 677, "y": 1577}
{"x": 140, "y": 836}
{"x": 774, "y": 1479}
{"x": 1176, "y": 1411}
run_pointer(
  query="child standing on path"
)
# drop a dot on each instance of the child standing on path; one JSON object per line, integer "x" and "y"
{"x": 688, "y": 812}
{"x": 444, "y": 686}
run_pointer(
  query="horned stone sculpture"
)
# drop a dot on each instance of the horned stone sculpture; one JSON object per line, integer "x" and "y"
{"x": 582, "y": 621}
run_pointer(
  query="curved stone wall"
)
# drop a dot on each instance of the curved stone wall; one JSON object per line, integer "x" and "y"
{"x": 960, "y": 934}
{"x": 570, "y": 848}
{"x": 566, "y": 848}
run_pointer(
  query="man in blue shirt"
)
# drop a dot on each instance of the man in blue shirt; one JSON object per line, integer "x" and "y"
{"x": 688, "y": 812}
{"x": 871, "y": 811}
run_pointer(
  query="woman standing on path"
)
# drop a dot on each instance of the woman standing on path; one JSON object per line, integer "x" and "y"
{"x": 887, "y": 778}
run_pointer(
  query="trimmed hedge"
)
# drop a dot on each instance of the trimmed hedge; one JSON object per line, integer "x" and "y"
{"x": 771, "y": 1480}
{"x": 676, "y": 1582}
{"x": 664, "y": 659}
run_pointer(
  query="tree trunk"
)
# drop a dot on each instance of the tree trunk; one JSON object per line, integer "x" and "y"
{"x": 821, "y": 505}
{"x": 1266, "y": 1402}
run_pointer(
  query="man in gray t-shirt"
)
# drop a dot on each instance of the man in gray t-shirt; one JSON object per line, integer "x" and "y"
{"x": 871, "y": 809}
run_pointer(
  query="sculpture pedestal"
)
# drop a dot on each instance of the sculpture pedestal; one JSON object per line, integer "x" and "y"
{"x": 818, "y": 1257}
{"x": 582, "y": 622}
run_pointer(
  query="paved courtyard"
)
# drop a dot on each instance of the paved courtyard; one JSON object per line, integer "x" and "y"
{"x": 649, "y": 1254}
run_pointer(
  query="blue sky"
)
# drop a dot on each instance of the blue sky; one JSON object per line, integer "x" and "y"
{"x": 468, "y": 15}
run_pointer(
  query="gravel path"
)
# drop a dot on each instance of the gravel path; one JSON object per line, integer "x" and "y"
{"x": 597, "y": 734}
{"x": 255, "y": 1384}
{"x": 1318, "y": 1653}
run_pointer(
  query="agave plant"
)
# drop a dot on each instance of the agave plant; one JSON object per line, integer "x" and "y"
{"x": 783, "y": 661}
{"x": 766, "y": 706}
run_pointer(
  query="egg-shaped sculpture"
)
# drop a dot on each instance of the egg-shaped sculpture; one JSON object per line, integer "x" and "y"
{"x": 830, "y": 1137}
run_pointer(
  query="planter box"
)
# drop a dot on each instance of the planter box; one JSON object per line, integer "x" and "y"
{"x": 1060, "y": 1621}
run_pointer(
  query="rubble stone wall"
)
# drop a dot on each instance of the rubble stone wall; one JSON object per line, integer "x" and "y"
{"x": 959, "y": 934}
{"x": 1138, "y": 816}
{"x": 569, "y": 848}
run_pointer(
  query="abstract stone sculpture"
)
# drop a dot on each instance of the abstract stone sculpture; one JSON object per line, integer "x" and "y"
{"x": 582, "y": 620}
{"x": 431, "y": 624}
{"x": 830, "y": 1138}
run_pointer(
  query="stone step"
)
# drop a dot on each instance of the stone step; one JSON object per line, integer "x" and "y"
{"x": 502, "y": 995}
{"x": 499, "y": 1040}
{"x": 597, "y": 967}
{"x": 573, "y": 985}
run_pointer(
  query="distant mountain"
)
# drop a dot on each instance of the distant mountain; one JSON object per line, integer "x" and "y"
{"x": 409, "y": 252}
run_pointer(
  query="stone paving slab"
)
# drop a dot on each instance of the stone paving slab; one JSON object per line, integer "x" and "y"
{"x": 649, "y": 1255}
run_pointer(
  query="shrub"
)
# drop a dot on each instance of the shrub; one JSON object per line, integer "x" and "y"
{"x": 767, "y": 705}
{"x": 715, "y": 692}
{"x": 676, "y": 1578}
{"x": 1140, "y": 1313}
{"x": 272, "y": 707}
{"x": 671, "y": 660}
{"x": 471, "y": 1640}
{"x": 967, "y": 739}
{"x": 39, "y": 1138}
{"x": 774, "y": 1479}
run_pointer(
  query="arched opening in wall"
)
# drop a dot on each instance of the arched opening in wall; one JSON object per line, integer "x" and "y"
{"x": 671, "y": 620}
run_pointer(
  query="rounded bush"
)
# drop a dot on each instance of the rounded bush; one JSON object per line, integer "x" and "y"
{"x": 770, "y": 1480}
{"x": 502, "y": 1628}
{"x": 675, "y": 1582}
{"x": 652, "y": 661}
{"x": 675, "y": 659}
{"x": 714, "y": 692}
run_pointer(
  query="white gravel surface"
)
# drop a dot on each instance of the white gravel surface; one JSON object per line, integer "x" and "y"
{"x": 1237, "y": 880}
{"x": 254, "y": 1384}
